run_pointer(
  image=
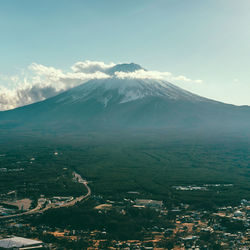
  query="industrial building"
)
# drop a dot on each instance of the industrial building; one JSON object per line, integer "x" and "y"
{"x": 19, "y": 243}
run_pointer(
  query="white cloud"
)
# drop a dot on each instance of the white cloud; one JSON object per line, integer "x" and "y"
{"x": 8, "y": 98}
{"x": 184, "y": 79}
{"x": 143, "y": 74}
{"x": 57, "y": 78}
{"x": 40, "y": 82}
{"x": 91, "y": 66}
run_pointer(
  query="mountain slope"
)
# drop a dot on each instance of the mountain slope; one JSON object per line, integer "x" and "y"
{"x": 116, "y": 103}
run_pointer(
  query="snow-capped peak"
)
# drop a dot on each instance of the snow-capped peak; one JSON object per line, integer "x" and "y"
{"x": 126, "y": 90}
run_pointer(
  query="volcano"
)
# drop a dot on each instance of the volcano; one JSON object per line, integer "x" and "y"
{"x": 125, "y": 103}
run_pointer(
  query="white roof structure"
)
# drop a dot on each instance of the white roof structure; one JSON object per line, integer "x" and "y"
{"x": 148, "y": 202}
{"x": 18, "y": 242}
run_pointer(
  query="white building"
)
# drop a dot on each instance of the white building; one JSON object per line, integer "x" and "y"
{"x": 19, "y": 243}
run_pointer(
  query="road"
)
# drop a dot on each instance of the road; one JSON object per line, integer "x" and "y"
{"x": 39, "y": 209}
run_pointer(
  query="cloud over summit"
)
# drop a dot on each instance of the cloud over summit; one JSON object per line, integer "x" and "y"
{"x": 41, "y": 82}
{"x": 91, "y": 67}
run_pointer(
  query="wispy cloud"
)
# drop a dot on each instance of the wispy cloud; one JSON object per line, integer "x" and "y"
{"x": 40, "y": 82}
{"x": 143, "y": 74}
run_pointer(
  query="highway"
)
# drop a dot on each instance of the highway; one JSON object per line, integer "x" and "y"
{"x": 39, "y": 209}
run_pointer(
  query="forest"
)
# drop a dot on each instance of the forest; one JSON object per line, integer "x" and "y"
{"x": 115, "y": 164}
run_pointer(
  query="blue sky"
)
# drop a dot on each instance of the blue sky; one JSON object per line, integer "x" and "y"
{"x": 200, "y": 39}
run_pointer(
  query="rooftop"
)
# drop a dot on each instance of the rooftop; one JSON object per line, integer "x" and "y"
{"x": 16, "y": 242}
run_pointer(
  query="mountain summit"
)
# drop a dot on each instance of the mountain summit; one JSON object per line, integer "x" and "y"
{"x": 126, "y": 103}
{"x": 124, "y": 67}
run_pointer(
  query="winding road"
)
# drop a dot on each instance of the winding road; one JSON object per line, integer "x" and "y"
{"x": 39, "y": 209}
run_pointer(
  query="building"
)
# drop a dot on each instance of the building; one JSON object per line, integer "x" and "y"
{"x": 238, "y": 213}
{"x": 19, "y": 243}
{"x": 149, "y": 203}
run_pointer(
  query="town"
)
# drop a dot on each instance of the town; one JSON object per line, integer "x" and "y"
{"x": 186, "y": 228}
